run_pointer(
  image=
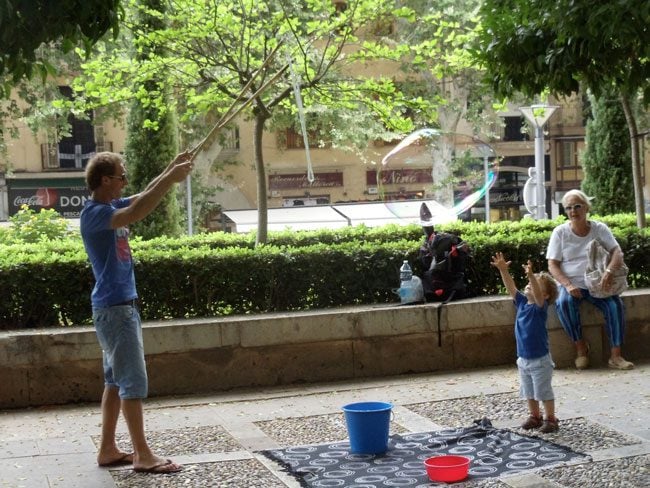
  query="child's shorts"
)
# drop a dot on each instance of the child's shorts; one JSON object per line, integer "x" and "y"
{"x": 535, "y": 378}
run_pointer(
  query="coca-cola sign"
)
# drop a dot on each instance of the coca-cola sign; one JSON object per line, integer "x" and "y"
{"x": 66, "y": 201}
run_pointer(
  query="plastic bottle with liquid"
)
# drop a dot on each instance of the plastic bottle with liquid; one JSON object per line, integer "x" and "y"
{"x": 406, "y": 283}
{"x": 405, "y": 272}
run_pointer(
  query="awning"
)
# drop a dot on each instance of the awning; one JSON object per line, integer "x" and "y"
{"x": 373, "y": 214}
{"x": 296, "y": 218}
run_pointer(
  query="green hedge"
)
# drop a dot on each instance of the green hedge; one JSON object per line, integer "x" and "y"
{"x": 49, "y": 284}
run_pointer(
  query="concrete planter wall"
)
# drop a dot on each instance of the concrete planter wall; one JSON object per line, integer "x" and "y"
{"x": 55, "y": 366}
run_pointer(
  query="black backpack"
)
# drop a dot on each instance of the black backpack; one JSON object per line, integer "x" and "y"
{"x": 444, "y": 256}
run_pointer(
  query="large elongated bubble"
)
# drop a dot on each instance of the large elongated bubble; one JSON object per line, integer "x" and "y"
{"x": 295, "y": 82}
{"x": 462, "y": 168}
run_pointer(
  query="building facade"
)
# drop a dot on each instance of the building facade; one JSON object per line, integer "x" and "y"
{"x": 48, "y": 174}
{"x": 42, "y": 173}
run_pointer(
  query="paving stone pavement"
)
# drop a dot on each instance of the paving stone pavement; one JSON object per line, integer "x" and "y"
{"x": 603, "y": 413}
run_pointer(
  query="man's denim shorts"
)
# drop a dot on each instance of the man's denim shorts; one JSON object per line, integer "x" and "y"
{"x": 119, "y": 333}
{"x": 535, "y": 378}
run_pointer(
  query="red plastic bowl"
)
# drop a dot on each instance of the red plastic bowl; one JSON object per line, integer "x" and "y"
{"x": 447, "y": 468}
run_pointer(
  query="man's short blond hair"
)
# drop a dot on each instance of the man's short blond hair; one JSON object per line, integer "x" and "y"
{"x": 100, "y": 165}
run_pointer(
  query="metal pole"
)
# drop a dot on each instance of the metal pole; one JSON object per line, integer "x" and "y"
{"x": 487, "y": 189}
{"x": 540, "y": 213}
{"x": 537, "y": 116}
{"x": 188, "y": 184}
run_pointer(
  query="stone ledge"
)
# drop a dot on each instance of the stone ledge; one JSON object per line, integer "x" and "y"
{"x": 198, "y": 355}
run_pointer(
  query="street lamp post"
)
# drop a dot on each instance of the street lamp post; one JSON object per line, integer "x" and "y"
{"x": 537, "y": 116}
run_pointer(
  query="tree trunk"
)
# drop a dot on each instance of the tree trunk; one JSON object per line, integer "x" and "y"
{"x": 636, "y": 161}
{"x": 262, "y": 200}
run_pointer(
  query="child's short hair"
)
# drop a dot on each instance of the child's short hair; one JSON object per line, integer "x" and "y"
{"x": 548, "y": 285}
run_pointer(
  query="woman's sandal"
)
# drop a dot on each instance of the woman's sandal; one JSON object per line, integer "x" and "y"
{"x": 582, "y": 361}
{"x": 620, "y": 363}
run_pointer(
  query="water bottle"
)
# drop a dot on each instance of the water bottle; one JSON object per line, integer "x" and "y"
{"x": 405, "y": 272}
{"x": 405, "y": 289}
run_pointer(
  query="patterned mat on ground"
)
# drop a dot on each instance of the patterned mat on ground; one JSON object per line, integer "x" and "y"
{"x": 493, "y": 452}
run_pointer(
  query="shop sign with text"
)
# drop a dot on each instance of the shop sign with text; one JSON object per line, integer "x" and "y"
{"x": 299, "y": 180}
{"x": 399, "y": 177}
{"x": 506, "y": 197}
{"x": 66, "y": 201}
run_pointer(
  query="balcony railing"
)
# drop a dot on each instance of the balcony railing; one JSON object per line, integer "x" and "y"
{"x": 51, "y": 158}
{"x": 294, "y": 140}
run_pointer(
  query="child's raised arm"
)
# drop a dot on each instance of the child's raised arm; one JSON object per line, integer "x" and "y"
{"x": 535, "y": 287}
{"x": 499, "y": 262}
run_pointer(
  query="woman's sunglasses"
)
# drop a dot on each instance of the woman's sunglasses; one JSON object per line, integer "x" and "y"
{"x": 577, "y": 206}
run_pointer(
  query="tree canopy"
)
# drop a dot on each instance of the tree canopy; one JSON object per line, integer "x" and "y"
{"x": 219, "y": 54}
{"x": 25, "y": 25}
{"x": 533, "y": 46}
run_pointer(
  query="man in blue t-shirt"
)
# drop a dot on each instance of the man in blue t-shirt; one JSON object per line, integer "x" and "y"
{"x": 104, "y": 229}
{"x": 534, "y": 359}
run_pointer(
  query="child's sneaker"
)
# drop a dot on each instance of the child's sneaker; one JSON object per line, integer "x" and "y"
{"x": 532, "y": 422}
{"x": 549, "y": 426}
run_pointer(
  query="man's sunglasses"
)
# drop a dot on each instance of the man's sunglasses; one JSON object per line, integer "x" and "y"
{"x": 122, "y": 177}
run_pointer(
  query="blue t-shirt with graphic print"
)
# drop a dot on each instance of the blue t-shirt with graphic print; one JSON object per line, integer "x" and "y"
{"x": 530, "y": 328}
{"x": 109, "y": 253}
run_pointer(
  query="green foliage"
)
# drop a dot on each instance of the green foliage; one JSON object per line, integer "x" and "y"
{"x": 29, "y": 226}
{"x": 205, "y": 76}
{"x": 607, "y": 159}
{"x": 561, "y": 46}
{"x": 49, "y": 283}
{"x": 440, "y": 78}
{"x": 44, "y": 284}
{"x": 152, "y": 134}
{"x": 195, "y": 60}
{"x": 26, "y": 25}
{"x": 531, "y": 46}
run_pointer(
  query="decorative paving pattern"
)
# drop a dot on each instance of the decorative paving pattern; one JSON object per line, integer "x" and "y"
{"x": 463, "y": 411}
{"x": 578, "y": 433}
{"x": 247, "y": 473}
{"x": 494, "y": 453}
{"x": 312, "y": 430}
{"x": 624, "y": 472}
{"x": 582, "y": 435}
{"x": 177, "y": 442}
{"x": 484, "y": 483}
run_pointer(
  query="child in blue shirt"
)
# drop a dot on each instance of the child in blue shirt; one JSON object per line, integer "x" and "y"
{"x": 533, "y": 354}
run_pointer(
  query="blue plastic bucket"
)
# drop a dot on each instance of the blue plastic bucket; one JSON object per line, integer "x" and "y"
{"x": 368, "y": 425}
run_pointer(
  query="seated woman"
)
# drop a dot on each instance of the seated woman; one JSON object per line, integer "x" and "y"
{"x": 567, "y": 260}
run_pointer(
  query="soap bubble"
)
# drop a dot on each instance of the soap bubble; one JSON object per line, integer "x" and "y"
{"x": 461, "y": 168}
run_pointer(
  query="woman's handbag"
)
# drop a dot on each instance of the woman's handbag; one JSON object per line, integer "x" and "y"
{"x": 597, "y": 260}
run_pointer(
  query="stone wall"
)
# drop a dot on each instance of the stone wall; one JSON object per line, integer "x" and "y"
{"x": 55, "y": 366}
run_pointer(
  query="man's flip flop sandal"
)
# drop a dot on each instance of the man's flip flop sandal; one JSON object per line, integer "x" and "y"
{"x": 162, "y": 468}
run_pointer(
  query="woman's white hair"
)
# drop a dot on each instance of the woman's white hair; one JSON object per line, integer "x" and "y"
{"x": 580, "y": 195}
